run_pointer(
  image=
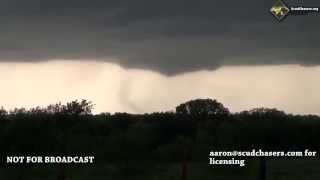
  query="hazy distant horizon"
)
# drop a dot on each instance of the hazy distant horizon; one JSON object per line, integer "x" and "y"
{"x": 291, "y": 88}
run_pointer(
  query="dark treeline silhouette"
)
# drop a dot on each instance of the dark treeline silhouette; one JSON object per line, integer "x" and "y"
{"x": 136, "y": 143}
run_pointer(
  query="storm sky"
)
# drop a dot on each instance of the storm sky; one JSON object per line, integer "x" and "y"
{"x": 207, "y": 41}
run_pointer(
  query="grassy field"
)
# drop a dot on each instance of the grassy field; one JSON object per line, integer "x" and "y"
{"x": 276, "y": 170}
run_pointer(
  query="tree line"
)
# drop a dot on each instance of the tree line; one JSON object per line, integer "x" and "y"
{"x": 135, "y": 143}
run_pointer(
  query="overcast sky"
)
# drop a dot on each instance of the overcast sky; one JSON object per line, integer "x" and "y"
{"x": 171, "y": 39}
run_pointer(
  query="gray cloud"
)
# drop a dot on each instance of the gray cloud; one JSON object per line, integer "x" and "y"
{"x": 169, "y": 36}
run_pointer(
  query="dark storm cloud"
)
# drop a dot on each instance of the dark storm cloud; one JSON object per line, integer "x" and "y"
{"x": 170, "y": 36}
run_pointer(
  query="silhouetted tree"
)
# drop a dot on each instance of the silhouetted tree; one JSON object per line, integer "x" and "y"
{"x": 265, "y": 111}
{"x": 76, "y": 107}
{"x": 202, "y": 107}
{"x": 3, "y": 113}
{"x": 134, "y": 145}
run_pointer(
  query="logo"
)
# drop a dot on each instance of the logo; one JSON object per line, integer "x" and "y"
{"x": 279, "y": 10}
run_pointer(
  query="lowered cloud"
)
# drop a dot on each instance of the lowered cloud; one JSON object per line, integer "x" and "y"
{"x": 168, "y": 36}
